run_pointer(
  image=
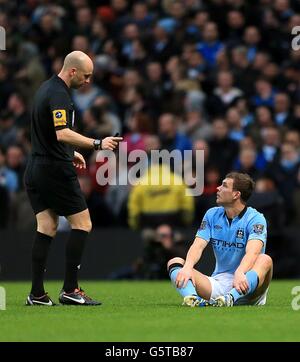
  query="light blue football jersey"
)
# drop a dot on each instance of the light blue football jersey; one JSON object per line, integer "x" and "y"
{"x": 229, "y": 240}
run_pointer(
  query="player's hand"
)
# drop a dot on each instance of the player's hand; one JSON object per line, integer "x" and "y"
{"x": 110, "y": 143}
{"x": 78, "y": 160}
{"x": 183, "y": 277}
{"x": 240, "y": 282}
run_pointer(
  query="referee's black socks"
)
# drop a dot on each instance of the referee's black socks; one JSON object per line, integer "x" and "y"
{"x": 39, "y": 257}
{"x": 74, "y": 251}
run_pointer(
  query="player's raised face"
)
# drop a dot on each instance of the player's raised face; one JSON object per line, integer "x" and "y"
{"x": 225, "y": 194}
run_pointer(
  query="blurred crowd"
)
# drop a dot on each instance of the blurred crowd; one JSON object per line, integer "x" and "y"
{"x": 159, "y": 246}
{"x": 219, "y": 76}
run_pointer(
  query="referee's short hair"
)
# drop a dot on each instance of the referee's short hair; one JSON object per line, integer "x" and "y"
{"x": 243, "y": 183}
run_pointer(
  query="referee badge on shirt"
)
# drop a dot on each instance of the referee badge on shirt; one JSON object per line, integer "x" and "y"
{"x": 59, "y": 117}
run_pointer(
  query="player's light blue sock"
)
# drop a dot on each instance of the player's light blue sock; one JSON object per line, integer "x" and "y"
{"x": 252, "y": 279}
{"x": 188, "y": 290}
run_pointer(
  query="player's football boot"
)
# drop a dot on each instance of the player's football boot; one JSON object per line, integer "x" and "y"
{"x": 44, "y": 300}
{"x": 196, "y": 301}
{"x": 224, "y": 301}
{"x": 77, "y": 297}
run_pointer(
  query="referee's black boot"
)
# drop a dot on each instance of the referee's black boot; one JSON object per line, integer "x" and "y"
{"x": 77, "y": 297}
{"x": 44, "y": 300}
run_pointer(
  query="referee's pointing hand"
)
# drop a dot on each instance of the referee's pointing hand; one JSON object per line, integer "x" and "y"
{"x": 110, "y": 143}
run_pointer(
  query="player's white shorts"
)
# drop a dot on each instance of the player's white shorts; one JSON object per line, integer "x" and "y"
{"x": 221, "y": 284}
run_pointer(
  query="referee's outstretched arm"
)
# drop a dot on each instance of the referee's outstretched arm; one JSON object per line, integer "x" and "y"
{"x": 66, "y": 135}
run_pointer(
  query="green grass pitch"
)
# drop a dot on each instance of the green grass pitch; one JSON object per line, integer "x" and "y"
{"x": 147, "y": 311}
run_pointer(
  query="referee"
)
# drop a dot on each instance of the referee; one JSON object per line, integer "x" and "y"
{"x": 51, "y": 180}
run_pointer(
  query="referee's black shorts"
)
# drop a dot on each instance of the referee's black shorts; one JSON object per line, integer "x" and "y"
{"x": 53, "y": 184}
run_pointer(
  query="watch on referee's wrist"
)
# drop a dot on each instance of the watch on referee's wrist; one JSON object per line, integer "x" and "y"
{"x": 97, "y": 145}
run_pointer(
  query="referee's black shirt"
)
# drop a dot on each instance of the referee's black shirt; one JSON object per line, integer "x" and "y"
{"x": 52, "y": 110}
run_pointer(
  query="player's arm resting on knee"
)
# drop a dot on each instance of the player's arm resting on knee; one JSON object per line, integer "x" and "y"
{"x": 193, "y": 256}
{"x": 257, "y": 237}
{"x": 68, "y": 136}
{"x": 253, "y": 250}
